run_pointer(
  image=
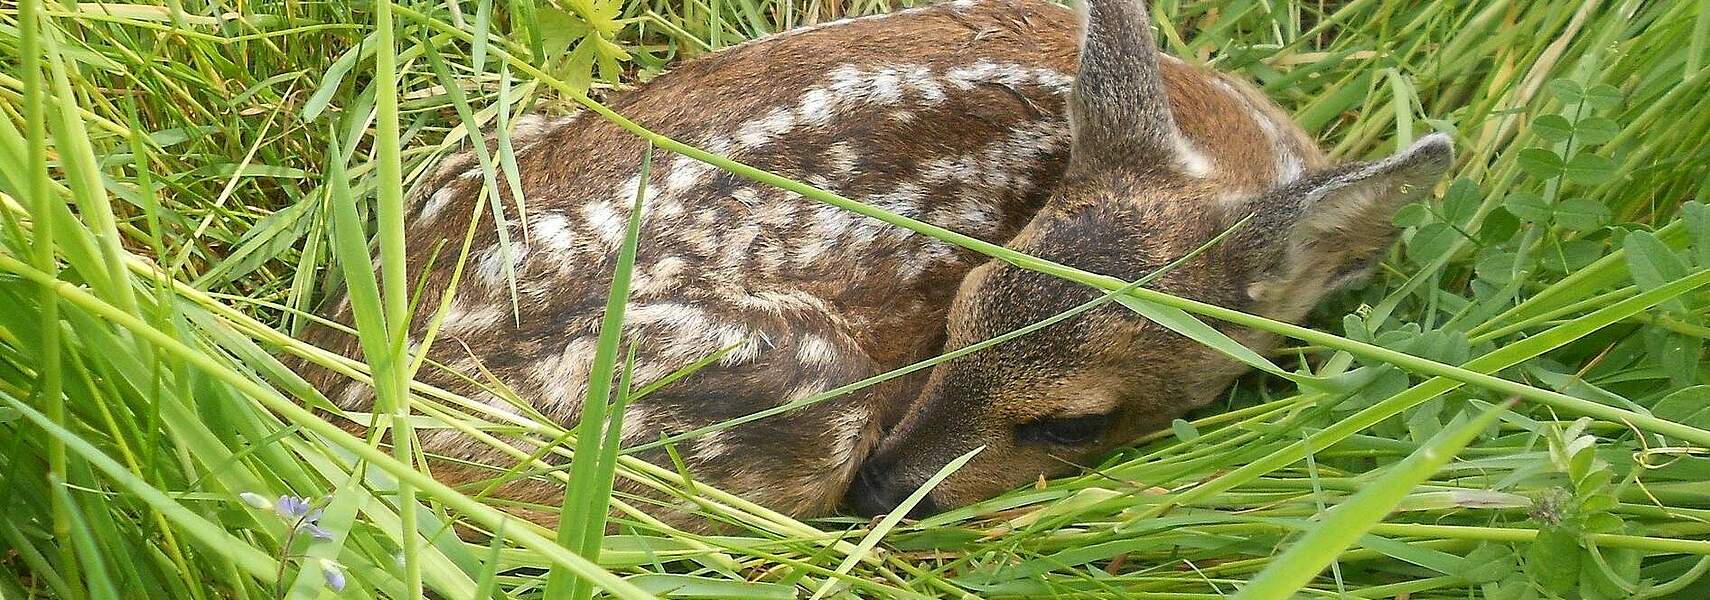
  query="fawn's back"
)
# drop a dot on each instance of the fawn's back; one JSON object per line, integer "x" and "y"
{"x": 952, "y": 114}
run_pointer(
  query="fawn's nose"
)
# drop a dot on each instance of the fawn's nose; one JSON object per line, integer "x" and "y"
{"x": 875, "y": 492}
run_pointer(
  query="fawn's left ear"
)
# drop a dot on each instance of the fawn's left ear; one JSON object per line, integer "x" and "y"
{"x": 1327, "y": 230}
{"x": 1119, "y": 113}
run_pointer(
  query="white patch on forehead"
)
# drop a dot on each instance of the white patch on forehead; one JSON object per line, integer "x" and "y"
{"x": 1288, "y": 163}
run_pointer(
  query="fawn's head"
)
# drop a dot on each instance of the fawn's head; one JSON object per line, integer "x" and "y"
{"x": 1126, "y": 206}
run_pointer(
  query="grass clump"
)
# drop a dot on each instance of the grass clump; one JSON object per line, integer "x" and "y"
{"x": 183, "y": 182}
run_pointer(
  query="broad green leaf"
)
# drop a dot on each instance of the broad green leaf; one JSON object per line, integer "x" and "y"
{"x": 1488, "y": 563}
{"x": 1553, "y": 559}
{"x": 1497, "y": 267}
{"x": 1651, "y": 262}
{"x": 1569, "y": 256}
{"x": 1431, "y": 242}
{"x": 1541, "y": 162}
{"x": 1697, "y": 218}
{"x": 1412, "y": 215}
{"x": 1690, "y": 406}
{"x": 1553, "y": 128}
{"x": 1581, "y": 214}
{"x": 1461, "y": 201}
{"x": 1567, "y": 90}
{"x": 1183, "y": 430}
{"x": 1603, "y": 97}
{"x": 1592, "y": 131}
{"x": 1589, "y": 169}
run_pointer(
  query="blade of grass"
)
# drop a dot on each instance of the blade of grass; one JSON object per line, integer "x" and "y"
{"x": 1348, "y": 520}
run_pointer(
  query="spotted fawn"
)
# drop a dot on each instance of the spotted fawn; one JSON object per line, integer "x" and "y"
{"x": 1060, "y": 133}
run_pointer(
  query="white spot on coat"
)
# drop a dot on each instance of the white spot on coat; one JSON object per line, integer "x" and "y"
{"x": 437, "y": 203}
{"x": 816, "y": 351}
{"x": 606, "y": 222}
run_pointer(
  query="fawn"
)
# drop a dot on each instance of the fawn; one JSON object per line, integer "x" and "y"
{"x": 1003, "y": 119}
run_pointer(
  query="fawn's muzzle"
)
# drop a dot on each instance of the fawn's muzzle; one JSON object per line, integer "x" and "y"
{"x": 875, "y": 493}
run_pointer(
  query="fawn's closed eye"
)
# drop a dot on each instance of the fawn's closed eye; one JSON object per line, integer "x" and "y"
{"x": 1066, "y": 431}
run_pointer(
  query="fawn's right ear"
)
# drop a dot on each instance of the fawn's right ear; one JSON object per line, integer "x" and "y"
{"x": 1327, "y": 230}
{"x": 1118, "y": 110}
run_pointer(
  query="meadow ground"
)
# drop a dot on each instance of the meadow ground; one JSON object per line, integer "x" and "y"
{"x": 179, "y": 179}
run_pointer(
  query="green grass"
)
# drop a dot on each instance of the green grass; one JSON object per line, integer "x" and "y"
{"x": 182, "y": 183}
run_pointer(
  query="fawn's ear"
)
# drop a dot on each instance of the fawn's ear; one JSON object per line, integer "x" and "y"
{"x": 1118, "y": 109}
{"x": 1329, "y": 229}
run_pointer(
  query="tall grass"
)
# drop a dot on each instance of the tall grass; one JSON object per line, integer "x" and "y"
{"x": 184, "y": 182}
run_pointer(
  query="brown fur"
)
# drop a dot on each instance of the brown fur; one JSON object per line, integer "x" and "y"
{"x": 965, "y": 129}
{"x": 1132, "y": 200}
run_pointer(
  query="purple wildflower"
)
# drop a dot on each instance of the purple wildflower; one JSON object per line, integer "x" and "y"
{"x": 291, "y": 508}
{"x": 316, "y": 531}
{"x": 333, "y": 575}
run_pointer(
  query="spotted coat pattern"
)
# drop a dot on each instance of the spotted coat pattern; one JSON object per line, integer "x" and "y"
{"x": 952, "y": 114}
